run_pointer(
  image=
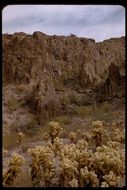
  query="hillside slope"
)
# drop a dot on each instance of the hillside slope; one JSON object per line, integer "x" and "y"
{"x": 60, "y": 71}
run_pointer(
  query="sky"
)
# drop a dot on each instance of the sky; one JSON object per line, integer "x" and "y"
{"x": 99, "y": 22}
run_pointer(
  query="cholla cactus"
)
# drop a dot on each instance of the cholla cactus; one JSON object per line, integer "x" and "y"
{"x": 69, "y": 171}
{"x": 99, "y": 134}
{"x": 42, "y": 166}
{"x": 104, "y": 184}
{"x": 82, "y": 144}
{"x": 78, "y": 132}
{"x": 117, "y": 124}
{"x": 97, "y": 123}
{"x": 111, "y": 179}
{"x": 54, "y": 130}
{"x": 118, "y": 135}
{"x": 83, "y": 157}
{"x": 76, "y": 152}
{"x": 73, "y": 183}
{"x": 68, "y": 151}
{"x": 113, "y": 125}
{"x": 72, "y": 136}
{"x": 4, "y": 152}
{"x": 20, "y": 137}
{"x": 106, "y": 158}
{"x": 14, "y": 169}
{"x": 57, "y": 145}
{"x": 114, "y": 145}
{"x": 46, "y": 136}
{"x": 86, "y": 136}
{"x": 88, "y": 178}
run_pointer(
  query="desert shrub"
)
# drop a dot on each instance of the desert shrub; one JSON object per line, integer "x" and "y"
{"x": 20, "y": 137}
{"x": 45, "y": 136}
{"x": 73, "y": 183}
{"x": 83, "y": 157}
{"x": 21, "y": 88}
{"x": 82, "y": 144}
{"x": 14, "y": 169}
{"x": 69, "y": 170}
{"x": 104, "y": 184}
{"x": 58, "y": 84}
{"x": 65, "y": 102}
{"x": 42, "y": 166}
{"x": 76, "y": 99}
{"x": 24, "y": 146}
{"x": 72, "y": 137}
{"x": 13, "y": 104}
{"x": 79, "y": 164}
{"x": 112, "y": 180}
{"x": 10, "y": 140}
{"x": 73, "y": 128}
{"x": 118, "y": 135}
{"x": 68, "y": 151}
{"x": 84, "y": 110}
{"x": 43, "y": 131}
{"x": 103, "y": 112}
{"x": 99, "y": 134}
{"x": 54, "y": 130}
{"x": 4, "y": 152}
{"x": 50, "y": 130}
{"x": 86, "y": 135}
{"x": 88, "y": 178}
{"x": 56, "y": 146}
{"x": 105, "y": 106}
{"x": 63, "y": 120}
{"x": 107, "y": 159}
{"x": 30, "y": 128}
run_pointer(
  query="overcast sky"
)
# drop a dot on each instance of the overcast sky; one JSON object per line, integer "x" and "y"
{"x": 99, "y": 22}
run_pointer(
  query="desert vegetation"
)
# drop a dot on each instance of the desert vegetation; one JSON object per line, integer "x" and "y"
{"x": 88, "y": 158}
{"x": 84, "y": 148}
{"x": 63, "y": 111}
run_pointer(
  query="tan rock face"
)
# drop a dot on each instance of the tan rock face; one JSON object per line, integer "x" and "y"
{"x": 55, "y": 65}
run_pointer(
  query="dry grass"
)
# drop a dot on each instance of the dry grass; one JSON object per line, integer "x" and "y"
{"x": 30, "y": 127}
{"x": 63, "y": 120}
{"x": 84, "y": 111}
{"x": 104, "y": 112}
{"x": 24, "y": 180}
{"x": 58, "y": 84}
{"x": 21, "y": 88}
{"x": 13, "y": 104}
{"x": 9, "y": 140}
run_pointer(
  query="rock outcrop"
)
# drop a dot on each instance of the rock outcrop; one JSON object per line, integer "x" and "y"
{"x": 62, "y": 71}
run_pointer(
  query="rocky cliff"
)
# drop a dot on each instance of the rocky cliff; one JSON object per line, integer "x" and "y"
{"x": 63, "y": 71}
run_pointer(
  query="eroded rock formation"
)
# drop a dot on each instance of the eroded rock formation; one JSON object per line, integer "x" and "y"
{"x": 62, "y": 71}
